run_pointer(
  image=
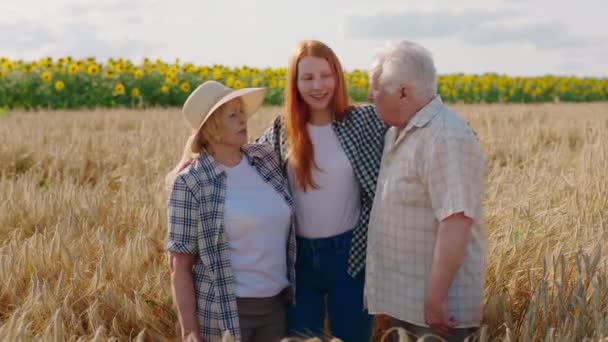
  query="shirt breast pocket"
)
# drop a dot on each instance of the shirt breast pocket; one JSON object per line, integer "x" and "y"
{"x": 408, "y": 183}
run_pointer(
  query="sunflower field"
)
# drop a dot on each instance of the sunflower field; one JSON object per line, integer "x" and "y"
{"x": 76, "y": 83}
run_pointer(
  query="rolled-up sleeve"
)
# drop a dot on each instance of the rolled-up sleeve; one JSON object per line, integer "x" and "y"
{"x": 183, "y": 219}
{"x": 455, "y": 176}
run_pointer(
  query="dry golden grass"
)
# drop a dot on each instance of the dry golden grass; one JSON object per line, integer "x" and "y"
{"x": 82, "y": 222}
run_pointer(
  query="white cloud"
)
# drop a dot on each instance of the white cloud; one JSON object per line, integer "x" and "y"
{"x": 420, "y": 24}
{"x": 84, "y": 39}
{"x": 474, "y": 27}
{"x": 24, "y": 35}
{"x": 108, "y": 6}
{"x": 77, "y": 29}
{"x": 545, "y": 35}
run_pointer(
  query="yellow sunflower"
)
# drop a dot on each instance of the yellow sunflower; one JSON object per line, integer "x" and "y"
{"x": 59, "y": 85}
{"x": 45, "y": 63}
{"x": 138, "y": 74}
{"x": 73, "y": 69}
{"x": 164, "y": 89}
{"x": 8, "y": 66}
{"x": 93, "y": 70}
{"x": 119, "y": 89}
{"x": 170, "y": 74}
{"x": 363, "y": 82}
{"x": 185, "y": 87}
{"x": 47, "y": 77}
{"x": 172, "y": 80}
{"x": 238, "y": 84}
{"x": 135, "y": 92}
{"x": 204, "y": 71}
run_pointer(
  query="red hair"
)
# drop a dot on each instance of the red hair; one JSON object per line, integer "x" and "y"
{"x": 301, "y": 156}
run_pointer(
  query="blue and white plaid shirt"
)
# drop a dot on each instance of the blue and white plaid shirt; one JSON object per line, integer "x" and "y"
{"x": 361, "y": 135}
{"x": 195, "y": 226}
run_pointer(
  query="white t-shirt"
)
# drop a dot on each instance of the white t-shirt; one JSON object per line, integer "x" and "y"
{"x": 334, "y": 207}
{"x": 256, "y": 221}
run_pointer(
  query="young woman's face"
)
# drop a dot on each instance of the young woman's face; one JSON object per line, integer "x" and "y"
{"x": 233, "y": 123}
{"x": 316, "y": 82}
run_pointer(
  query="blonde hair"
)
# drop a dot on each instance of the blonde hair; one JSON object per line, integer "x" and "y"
{"x": 202, "y": 141}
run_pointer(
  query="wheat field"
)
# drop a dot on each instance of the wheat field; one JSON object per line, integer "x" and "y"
{"x": 82, "y": 222}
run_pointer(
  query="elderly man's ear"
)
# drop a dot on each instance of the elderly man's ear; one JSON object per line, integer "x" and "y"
{"x": 404, "y": 93}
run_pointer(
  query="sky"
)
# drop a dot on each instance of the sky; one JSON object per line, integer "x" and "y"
{"x": 514, "y": 37}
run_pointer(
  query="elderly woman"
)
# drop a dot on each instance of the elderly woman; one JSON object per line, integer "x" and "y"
{"x": 230, "y": 234}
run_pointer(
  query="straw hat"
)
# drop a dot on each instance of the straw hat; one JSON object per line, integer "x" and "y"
{"x": 209, "y": 96}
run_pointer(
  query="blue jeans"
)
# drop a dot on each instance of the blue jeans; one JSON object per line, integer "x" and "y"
{"x": 322, "y": 282}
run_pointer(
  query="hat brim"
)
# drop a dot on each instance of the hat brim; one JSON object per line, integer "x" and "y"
{"x": 253, "y": 98}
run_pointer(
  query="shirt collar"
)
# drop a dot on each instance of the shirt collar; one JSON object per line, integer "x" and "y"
{"x": 427, "y": 113}
{"x": 422, "y": 117}
{"x": 213, "y": 169}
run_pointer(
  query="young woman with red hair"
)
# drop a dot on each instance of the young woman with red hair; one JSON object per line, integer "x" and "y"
{"x": 330, "y": 151}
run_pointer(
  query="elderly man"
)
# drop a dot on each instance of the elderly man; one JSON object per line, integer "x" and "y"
{"x": 426, "y": 243}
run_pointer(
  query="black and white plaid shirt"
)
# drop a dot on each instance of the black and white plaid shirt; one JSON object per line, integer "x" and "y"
{"x": 361, "y": 135}
{"x": 195, "y": 226}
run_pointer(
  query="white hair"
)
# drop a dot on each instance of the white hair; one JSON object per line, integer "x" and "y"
{"x": 405, "y": 63}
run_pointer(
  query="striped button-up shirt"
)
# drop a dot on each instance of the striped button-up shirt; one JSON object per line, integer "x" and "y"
{"x": 195, "y": 226}
{"x": 361, "y": 135}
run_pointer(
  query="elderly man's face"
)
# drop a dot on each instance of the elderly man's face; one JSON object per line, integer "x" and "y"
{"x": 388, "y": 105}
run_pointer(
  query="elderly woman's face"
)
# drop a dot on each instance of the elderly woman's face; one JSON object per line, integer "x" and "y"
{"x": 234, "y": 124}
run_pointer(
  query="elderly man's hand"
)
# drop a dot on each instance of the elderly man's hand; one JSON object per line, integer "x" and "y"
{"x": 436, "y": 316}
